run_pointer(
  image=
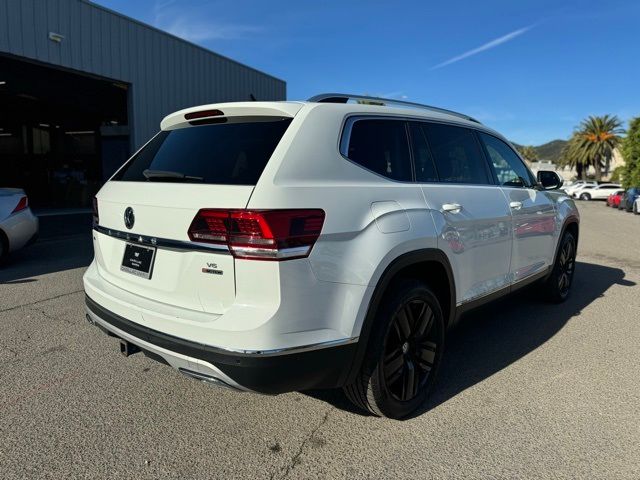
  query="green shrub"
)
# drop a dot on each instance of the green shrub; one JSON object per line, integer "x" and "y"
{"x": 617, "y": 174}
{"x": 631, "y": 155}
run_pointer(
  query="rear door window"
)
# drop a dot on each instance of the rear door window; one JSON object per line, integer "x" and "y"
{"x": 457, "y": 155}
{"x": 381, "y": 146}
{"x": 422, "y": 158}
{"x": 226, "y": 154}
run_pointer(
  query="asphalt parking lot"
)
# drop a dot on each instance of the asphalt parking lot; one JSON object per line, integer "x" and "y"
{"x": 528, "y": 389}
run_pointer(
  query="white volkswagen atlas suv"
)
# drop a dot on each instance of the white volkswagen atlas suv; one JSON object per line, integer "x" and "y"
{"x": 283, "y": 246}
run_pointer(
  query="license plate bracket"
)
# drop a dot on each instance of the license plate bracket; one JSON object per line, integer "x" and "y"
{"x": 138, "y": 260}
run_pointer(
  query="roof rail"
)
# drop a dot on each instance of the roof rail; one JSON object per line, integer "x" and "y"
{"x": 345, "y": 97}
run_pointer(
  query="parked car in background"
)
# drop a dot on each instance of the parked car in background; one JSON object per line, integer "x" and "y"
{"x": 613, "y": 200}
{"x": 18, "y": 225}
{"x": 636, "y": 206}
{"x": 578, "y": 184}
{"x": 599, "y": 192}
{"x": 628, "y": 199}
{"x": 285, "y": 246}
{"x": 583, "y": 188}
{"x": 568, "y": 184}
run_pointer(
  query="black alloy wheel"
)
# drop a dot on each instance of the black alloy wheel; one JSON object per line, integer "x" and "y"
{"x": 410, "y": 350}
{"x": 566, "y": 265}
{"x": 558, "y": 285}
{"x": 404, "y": 352}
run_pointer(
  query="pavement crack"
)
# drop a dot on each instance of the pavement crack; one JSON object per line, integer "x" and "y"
{"x": 295, "y": 459}
{"x": 40, "y": 301}
{"x": 46, "y": 315}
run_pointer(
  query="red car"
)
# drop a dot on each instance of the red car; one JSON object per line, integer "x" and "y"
{"x": 613, "y": 200}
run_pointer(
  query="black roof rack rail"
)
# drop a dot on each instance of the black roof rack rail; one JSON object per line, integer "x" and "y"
{"x": 345, "y": 97}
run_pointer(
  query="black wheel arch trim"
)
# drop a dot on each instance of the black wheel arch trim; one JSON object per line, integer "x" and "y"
{"x": 572, "y": 219}
{"x": 403, "y": 261}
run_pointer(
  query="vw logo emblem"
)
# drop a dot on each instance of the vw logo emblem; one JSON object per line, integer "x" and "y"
{"x": 129, "y": 218}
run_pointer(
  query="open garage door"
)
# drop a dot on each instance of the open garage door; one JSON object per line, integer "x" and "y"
{"x": 62, "y": 134}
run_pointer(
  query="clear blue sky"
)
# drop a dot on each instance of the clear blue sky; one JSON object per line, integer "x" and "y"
{"x": 531, "y": 69}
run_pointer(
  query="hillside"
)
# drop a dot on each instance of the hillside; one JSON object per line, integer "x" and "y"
{"x": 547, "y": 151}
{"x": 551, "y": 150}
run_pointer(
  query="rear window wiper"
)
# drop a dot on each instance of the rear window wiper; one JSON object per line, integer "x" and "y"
{"x": 160, "y": 175}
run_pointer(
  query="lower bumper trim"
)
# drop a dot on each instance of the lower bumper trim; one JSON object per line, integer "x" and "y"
{"x": 325, "y": 367}
{"x": 203, "y": 377}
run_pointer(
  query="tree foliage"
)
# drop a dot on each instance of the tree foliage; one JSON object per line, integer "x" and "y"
{"x": 617, "y": 174}
{"x": 571, "y": 157}
{"x": 631, "y": 155}
{"x": 528, "y": 152}
{"x": 592, "y": 144}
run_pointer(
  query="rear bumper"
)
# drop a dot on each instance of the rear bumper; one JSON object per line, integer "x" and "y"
{"x": 21, "y": 229}
{"x": 306, "y": 367}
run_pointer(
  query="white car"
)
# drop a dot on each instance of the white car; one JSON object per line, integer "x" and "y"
{"x": 283, "y": 246}
{"x": 18, "y": 225}
{"x": 598, "y": 192}
{"x": 584, "y": 188}
{"x": 577, "y": 185}
{"x": 636, "y": 206}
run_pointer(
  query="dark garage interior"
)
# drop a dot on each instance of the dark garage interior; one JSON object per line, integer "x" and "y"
{"x": 62, "y": 134}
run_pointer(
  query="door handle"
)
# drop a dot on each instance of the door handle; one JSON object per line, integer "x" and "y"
{"x": 515, "y": 205}
{"x": 452, "y": 207}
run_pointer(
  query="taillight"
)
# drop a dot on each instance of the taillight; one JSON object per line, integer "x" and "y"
{"x": 22, "y": 204}
{"x": 96, "y": 216}
{"x": 260, "y": 234}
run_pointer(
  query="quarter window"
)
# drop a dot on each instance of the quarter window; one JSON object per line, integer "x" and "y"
{"x": 456, "y": 154}
{"x": 509, "y": 169}
{"x": 382, "y": 147}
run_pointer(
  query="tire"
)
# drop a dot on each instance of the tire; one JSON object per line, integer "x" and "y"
{"x": 558, "y": 285}
{"x": 585, "y": 196}
{"x": 403, "y": 355}
{"x": 4, "y": 248}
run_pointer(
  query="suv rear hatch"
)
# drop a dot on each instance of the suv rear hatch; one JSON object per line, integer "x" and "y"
{"x": 203, "y": 158}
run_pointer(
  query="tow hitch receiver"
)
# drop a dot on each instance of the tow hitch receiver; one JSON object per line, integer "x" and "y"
{"x": 127, "y": 348}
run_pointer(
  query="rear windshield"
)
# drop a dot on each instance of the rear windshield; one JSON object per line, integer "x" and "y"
{"x": 228, "y": 153}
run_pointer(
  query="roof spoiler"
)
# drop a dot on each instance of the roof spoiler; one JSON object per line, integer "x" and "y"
{"x": 201, "y": 113}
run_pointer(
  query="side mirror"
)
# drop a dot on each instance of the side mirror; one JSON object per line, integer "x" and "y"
{"x": 549, "y": 180}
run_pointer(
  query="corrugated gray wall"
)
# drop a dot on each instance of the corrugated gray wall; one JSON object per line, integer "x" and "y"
{"x": 166, "y": 73}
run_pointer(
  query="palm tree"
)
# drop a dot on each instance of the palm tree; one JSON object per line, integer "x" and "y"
{"x": 573, "y": 157}
{"x": 593, "y": 143}
{"x": 529, "y": 153}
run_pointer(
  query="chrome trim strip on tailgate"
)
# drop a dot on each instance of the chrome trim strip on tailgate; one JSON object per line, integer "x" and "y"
{"x": 162, "y": 242}
{"x": 298, "y": 349}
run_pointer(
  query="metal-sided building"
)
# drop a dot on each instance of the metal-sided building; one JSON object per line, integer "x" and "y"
{"x": 82, "y": 87}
